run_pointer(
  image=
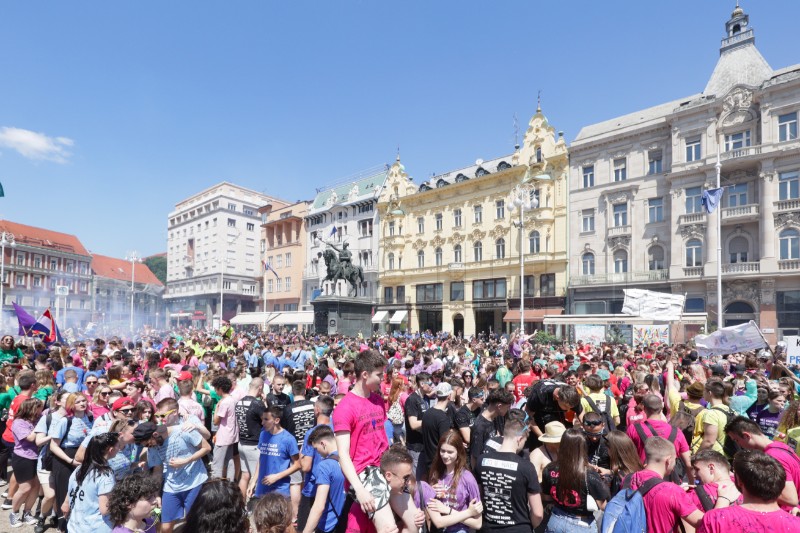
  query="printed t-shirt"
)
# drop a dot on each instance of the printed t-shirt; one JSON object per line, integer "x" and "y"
{"x": 298, "y": 418}
{"x": 577, "y": 504}
{"x": 179, "y": 445}
{"x": 522, "y": 382}
{"x": 228, "y": 430}
{"x": 665, "y": 504}
{"x": 78, "y": 430}
{"x": 248, "y": 417}
{"x": 364, "y": 419}
{"x": 276, "y": 456}
{"x": 329, "y": 472}
{"x": 84, "y": 501}
{"x": 736, "y": 518}
{"x": 307, "y": 450}
{"x": 23, "y": 447}
{"x": 505, "y": 481}
{"x": 768, "y": 422}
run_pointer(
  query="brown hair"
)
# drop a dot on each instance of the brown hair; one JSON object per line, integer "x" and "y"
{"x": 273, "y": 514}
{"x": 622, "y": 454}
{"x": 572, "y": 461}
{"x": 29, "y": 410}
{"x": 396, "y": 390}
{"x": 439, "y": 470}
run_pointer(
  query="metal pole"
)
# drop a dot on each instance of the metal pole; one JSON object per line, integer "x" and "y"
{"x": 221, "y": 281}
{"x": 133, "y": 257}
{"x": 2, "y": 276}
{"x": 521, "y": 272}
{"x": 719, "y": 248}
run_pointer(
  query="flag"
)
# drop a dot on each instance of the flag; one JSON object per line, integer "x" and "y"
{"x": 711, "y": 199}
{"x": 653, "y": 305}
{"x": 2, "y": 192}
{"x": 268, "y": 268}
{"x": 742, "y": 338}
{"x": 333, "y": 232}
{"x": 46, "y": 326}
{"x": 26, "y": 321}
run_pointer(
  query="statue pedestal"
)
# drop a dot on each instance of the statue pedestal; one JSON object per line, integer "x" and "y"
{"x": 342, "y": 315}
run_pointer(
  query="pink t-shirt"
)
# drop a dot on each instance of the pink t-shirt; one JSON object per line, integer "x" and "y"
{"x": 736, "y": 518}
{"x": 364, "y": 419}
{"x": 189, "y": 406}
{"x": 165, "y": 391}
{"x": 664, "y": 505}
{"x": 711, "y": 490}
{"x": 633, "y": 416}
{"x": 228, "y": 432}
{"x": 663, "y": 429}
{"x": 789, "y": 460}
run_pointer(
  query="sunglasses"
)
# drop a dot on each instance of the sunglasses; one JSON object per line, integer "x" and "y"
{"x": 128, "y": 412}
{"x": 105, "y": 393}
{"x": 91, "y": 383}
{"x": 593, "y": 424}
{"x": 164, "y": 415}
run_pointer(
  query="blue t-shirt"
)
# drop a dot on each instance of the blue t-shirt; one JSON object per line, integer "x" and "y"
{"x": 77, "y": 431}
{"x": 124, "y": 458}
{"x": 309, "y": 486}
{"x": 84, "y": 502}
{"x": 179, "y": 445}
{"x": 389, "y": 427}
{"x": 41, "y": 427}
{"x": 60, "y": 374}
{"x": 329, "y": 472}
{"x": 276, "y": 456}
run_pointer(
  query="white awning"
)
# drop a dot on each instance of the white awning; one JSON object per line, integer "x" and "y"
{"x": 293, "y": 318}
{"x": 246, "y": 319}
{"x": 379, "y": 316}
{"x": 398, "y": 317}
{"x": 571, "y": 320}
{"x": 180, "y": 315}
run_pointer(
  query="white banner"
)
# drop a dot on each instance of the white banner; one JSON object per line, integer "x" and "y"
{"x": 733, "y": 339}
{"x": 792, "y": 350}
{"x": 653, "y": 305}
{"x": 590, "y": 333}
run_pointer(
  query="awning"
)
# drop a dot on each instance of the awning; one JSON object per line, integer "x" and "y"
{"x": 398, "y": 317}
{"x": 571, "y": 320}
{"x": 180, "y": 315}
{"x": 532, "y": 315}
{"x": 379, "y": 316}
{"x": 293, "y": 318}
{"x": 246, "y": 319}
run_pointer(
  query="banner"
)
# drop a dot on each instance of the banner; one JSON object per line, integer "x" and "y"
{"x": 792, "y": 350}
{"x": 590, "y": 333}
{"x": 733, "y": 339}
{"x": 653, "y": 305}
{"x": 644, "y": 335}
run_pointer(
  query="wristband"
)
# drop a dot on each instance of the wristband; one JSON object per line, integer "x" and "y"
{"x": 730, "y": 502}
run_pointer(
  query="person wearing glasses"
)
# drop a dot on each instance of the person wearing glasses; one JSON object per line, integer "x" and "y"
{"x": 122, "y": 409}
{"x": 594, "y": 429}
{"x": 9, "y": 353}
{"x": 100, "y": 405}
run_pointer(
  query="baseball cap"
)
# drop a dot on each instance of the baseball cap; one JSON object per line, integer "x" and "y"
{"x": 184, "y": 376}
{"x": 144, "y": 431}
{"x": 443, "y": 390}
{"x": 120, "y": 403}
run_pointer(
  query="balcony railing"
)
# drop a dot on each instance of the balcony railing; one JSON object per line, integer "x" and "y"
{"x": 616, "y": 231}
{"x": 456, "y": 267}
{"x": 394, "y": 300}
{"x": 623, "y": 277}
{"x": 691, "y": 218}
{"x": 740, "y": 211}
{"x": 741, "y": 152}
{"x": 690, "y": 272}
{"x": 789, "y": 264}
{"x": 741, "y": 268}
{"x": 739, "y": 37}
{"x": 787, "y": 205}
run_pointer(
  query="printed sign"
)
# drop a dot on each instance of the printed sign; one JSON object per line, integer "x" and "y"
{"x": 590, "y": 333}
{"x": 644, "y": 335}
{"x": 792, "y": 350}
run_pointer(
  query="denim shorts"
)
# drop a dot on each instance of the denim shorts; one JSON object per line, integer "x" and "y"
{"x": 563, "y": 522}
{"x": 176, "y": 505}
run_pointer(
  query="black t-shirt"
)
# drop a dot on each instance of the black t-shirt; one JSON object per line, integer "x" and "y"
{"x": 577, "y": 503}
{"x": 416, "y": 405}
{"x": 543, "y": 405}
{"x": 298, "y": 418}
{"x": 248, "y": 417}
{"x": 465, "y": 418}
{"x": 482, "y": 430}
{"x": 435, "y": 423}
{"x": 281, "y": 400}
{"x": 598, "y": 452}
{"x": 505, "y": 481}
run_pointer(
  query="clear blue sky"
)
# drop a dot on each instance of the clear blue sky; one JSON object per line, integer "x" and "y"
{"x": 114, "y": 111}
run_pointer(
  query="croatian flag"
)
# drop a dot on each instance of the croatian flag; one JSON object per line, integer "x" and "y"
{"x": 333, "y": 231}
{"x": 268, "y": 268}
{"x": 46, "y": 326}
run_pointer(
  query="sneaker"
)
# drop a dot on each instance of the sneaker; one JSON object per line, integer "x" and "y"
{"x": 40, "y": 526}
{"x": 14, "y": 519}
{"x": 29, "y": 519}
{"x": 3, "y": 482}
{"x": 4, "y": 495}
{"x": 6, "y": 504}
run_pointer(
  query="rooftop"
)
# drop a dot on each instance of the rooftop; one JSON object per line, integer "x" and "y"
{"x": 365, "y": 186}
{"x": 120, "y": 269}
{"x": 44, "y": 238}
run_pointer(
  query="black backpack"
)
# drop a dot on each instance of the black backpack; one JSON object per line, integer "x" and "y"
{"x": 679, "y": 471}
{"x": 705, "y": 499}
{"x": 623, "y": 405}
{"x": 729, "y": 446}
{"x": 684, "y": 419}
{"x": 605, "y": 413}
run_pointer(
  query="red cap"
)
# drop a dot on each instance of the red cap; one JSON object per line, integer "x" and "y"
{"x": 184, "y": 376}
{"x": 120, "y": 403}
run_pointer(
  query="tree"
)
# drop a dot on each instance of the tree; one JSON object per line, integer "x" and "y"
{"x": 158, "y": 266}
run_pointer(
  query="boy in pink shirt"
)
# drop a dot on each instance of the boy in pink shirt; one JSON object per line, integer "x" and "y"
{"x": 711, "y": 468}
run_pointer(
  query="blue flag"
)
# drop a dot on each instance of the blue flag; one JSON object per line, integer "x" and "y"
{"x": 333, "y": 231}
{"x": 268, "y": 268}
{"x": 711, "y": 199}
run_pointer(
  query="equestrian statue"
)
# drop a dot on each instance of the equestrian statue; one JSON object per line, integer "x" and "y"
{"x": 342, "y": 267}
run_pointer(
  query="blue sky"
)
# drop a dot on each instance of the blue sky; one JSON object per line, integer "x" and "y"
{"x": 114, "y": 111}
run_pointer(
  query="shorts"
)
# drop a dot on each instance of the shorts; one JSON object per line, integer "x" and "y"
{"x": 296, "y": 478}
{"x": 24, "y": 469}
{"x": 176, "y": 505}
{"x": 45, "y": 478}
{"x": 249, "y": 457}
{"x": 376, "y": 484}
{"x": 221, "y": 457}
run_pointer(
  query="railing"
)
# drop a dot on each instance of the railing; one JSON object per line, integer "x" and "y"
{"x": 619, "y": 230}
{"x": 730, "y": 41}
{"x": 456, "y": 267}
{"x": 789, "y": 264}
{"x": 741, "y": 152}
{"x": 740, "y": 211}
{"x": 623, "y": 277}
{"x": 393, "y": 300}
{"x": 692, "y": 271}
{"x": 787, "y": 205}
{"x": 739, "y": 268}
{"x": 691, "y": 218}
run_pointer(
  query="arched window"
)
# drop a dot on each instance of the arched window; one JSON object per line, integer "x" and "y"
{"x": 502, "y": 166}
{"x": 587, "y": 264}
{"x": 538, "y": 154}
{"x": 481, "y": 172}
{"x": 420, "y": 259}
{"x": 424, "y": 187}
{"x": 437, "y": 255}
{"x": 460, "y": 178}
{"x": 500, "y": 248}
{"x": 457, "y": 253}
{"x": 620, "y": 262}
{"x": 655, "y": 258}
{"x": 477, "y": 251}
{"x": 790, "y": 244}
{"x": 441, "y": 183}
{"x": 737, "y": 250}
{"x": 694, "y": 253}
{"x": 534, "y": 242}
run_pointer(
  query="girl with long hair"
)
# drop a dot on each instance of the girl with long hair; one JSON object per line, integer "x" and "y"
{"x": 56, "y": 412}
{"x": 395, "y": 411}
{"x": 452, "y": 496}
{"x": 143, "y": 412}
{"x": 100, "y": 401}
{"x": 45, "y": 385}
{"x": 23, "y": 461}
{"x": 218, "y": 508}
{"x": 90, "y": 488}
{"x": 789, "y": 427}
{"x": 624, "y": 458}
{"x": 576, "y": 490}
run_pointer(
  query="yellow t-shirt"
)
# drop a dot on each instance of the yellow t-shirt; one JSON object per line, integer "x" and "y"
{"x": 710, "y": 416}
{"x": 600, "y": 400}
{"x": 792, "y": 438}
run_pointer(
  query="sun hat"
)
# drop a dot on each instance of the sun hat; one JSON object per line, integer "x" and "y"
{"x": 553, "y": 432}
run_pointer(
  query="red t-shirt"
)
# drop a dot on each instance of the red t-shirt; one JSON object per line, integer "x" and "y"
{"x": 364, "y": 419}
{"x": 8, "y": 436}
{"x": 664, "y": 505}
{"x": 522, "y": 382}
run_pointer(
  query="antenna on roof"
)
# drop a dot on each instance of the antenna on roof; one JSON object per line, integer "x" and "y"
{"x": 539, "y": 102}
{"x": 398, "y": 152}
{"x": 516, "y": 133}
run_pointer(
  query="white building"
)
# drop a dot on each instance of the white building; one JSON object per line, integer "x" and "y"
{"x": 636, "y": 184}
{"x": 213, "y": 246}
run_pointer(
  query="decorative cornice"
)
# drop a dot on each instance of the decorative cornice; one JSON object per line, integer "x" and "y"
{"x": 693, "y": 230}
{"x": 791, "y": 218}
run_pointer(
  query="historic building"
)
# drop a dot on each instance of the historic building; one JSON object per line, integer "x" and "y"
{"x": 636, "y": 184}
{"x": 213, "y": 254}
{"x": 113, "y": 280}
{"x": 450, "y": 247}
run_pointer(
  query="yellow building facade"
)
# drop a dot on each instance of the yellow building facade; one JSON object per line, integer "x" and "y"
{"x": 450, "y": 247}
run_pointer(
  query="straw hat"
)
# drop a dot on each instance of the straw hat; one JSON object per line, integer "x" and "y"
{"x": 553, "y": 432}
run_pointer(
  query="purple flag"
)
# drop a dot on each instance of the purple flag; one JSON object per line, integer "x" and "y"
{"x": 25, "y": 320}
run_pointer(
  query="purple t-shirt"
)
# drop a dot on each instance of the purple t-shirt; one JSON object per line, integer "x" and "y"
{"x": 466, "y": 491}
{"x": 149, "y": 527}
{"x": 22, "y": 447}
{"x": 768, "y": 422}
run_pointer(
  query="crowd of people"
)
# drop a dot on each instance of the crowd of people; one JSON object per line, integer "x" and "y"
{"x": 232, "y": 432}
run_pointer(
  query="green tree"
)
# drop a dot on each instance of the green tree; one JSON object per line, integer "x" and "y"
{"x": 158, "y": 266}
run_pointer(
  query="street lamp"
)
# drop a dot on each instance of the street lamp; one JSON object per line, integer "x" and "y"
{"x": 6, "y": 239}
{"x": 134, "y": 258}
{"x": 522, "y": 198}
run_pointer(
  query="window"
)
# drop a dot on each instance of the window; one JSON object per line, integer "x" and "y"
{"x": 226, "y": 285}
{"x": 654, "y": 164}
{"x": 693, "y": 149}
{"x": 737, "y": 141}
{"x": 489, "y": 289}
{"x": 737, "y": 194}
{"x": 232, "y": 207}
{"x": 655, "y": 258}
{"x": 789, "y": 185}
{"x": 391, "y": 228}
{"x": 528, "y": 286}
{"x": 388, "y": 295}
{"x": 587, "y": 264}
{"x": 438, "y": 219}
{"x": 694, "y": 197}
{"x": 457, "y": 253}
{"x": 534, "y": 242}
{"x": 620, "y": 262}
{"x": 37, "y": 262}
{"x": 288, "y": 284}
{"x": 457, "y": 291}
{"x": 279, "y": 261}
{"x": 432, "y": 292}
{"x": 655, "y": 210}
{"x": 477, "y": 252}
{"x": 457, "y": 218}
{"x": 288, "y": 259}
{"x": 500, "y": 209}
{"x": 251, "y": 226}
{"x": 694, "y": 253}
{"x": 365, "y": 228}
{"x": 248, "y": 211}
{"x": 787, "y": 127}
{"x": 437, "y": 256}
{"x": 37, "y": 281}
{"x": 588, "y": 176}
{"x": 737, "y": 250}
{"x": 278, "y": 284}
{"x": 620, "y": 169}
{"x": 695, "y": 305}
{"x": 587, "y": 220}
{"x": 420, "y": 225}
{"x": 790, "y": 244}
{"x": 420, "y": 259}
{"x": 390, "y": 261}
{"x": 547, "y": 285}
{"x": 478, "y": 211}
{"x": 231, "y": 223}
{"x": 500, "y": 248}
{"x": 401, "y": 294}
{"x": 621, "y": 214}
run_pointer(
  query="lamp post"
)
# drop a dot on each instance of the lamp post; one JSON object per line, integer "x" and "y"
{"x": 522, "y": 198}
{"x": 133, "y": 257}
{"x": 6, "y": 239}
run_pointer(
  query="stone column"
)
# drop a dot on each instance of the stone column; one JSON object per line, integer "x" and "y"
{"x": 768, "y": 185}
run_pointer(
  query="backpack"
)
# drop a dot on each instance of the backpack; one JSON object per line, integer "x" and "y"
{"x": 47, "y": 455}
{"x": 729, "y": 446}
{"x": 684, "y": 419}
{"x": 623, "y": 406}
{"x": 625, "y": 513}
{"x": 449, "y": 365}
{"x": 395, "y": 414}
{"x": 679, "y": 471}
{"x": 705, "y": 499}
{"x": 606, "y": 413}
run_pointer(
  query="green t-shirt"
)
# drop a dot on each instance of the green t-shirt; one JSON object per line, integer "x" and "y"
{"x": 43, "y": 393}
{"x": 7, "y": 397}
{"x": 11, "y": 356}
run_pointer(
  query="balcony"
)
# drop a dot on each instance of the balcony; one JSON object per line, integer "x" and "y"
{"x": 623, "y": 277}
{"x": 741, "y": 213}
{"x": 741, "y": 268}
{"x": 789, "y": 264}
{"x": 691, "y": 218}
{"x": 741, "y": 152}
{"x": 692, "y": 272}
{"x": 787, "y": 205}
{"x": 617, "y": 231}
{"x": 456, "y": 267}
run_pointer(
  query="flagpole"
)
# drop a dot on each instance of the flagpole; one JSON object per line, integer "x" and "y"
{"x": 718, "y": 166}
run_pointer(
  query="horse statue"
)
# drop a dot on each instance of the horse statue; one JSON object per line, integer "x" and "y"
{"x": 337, "y": 269}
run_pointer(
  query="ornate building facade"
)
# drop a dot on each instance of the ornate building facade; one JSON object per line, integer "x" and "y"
{"x": 636, "y": 184}
{"x": 450, "y": 247}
